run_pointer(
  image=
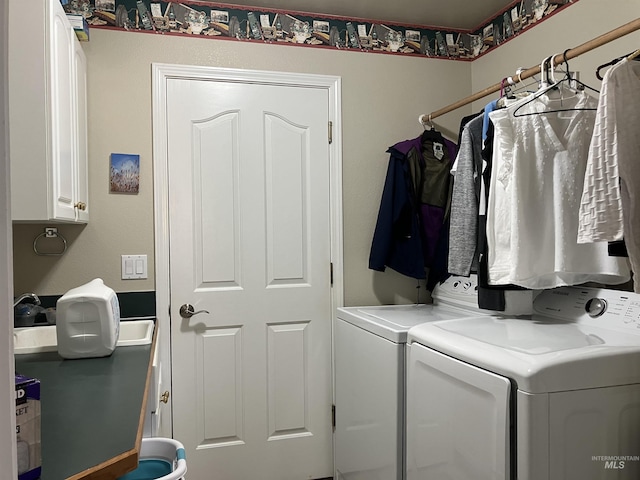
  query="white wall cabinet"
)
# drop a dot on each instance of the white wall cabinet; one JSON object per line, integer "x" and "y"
{"x": 47, "y": 115}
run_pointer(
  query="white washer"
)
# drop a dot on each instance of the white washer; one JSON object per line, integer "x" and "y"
{"x": 553, "y": 396}
{"x": 370, "y": 380}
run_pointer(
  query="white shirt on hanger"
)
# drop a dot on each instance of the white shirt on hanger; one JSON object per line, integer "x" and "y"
{"x": 610, "y": 205}
{"x": 538, "y": 168}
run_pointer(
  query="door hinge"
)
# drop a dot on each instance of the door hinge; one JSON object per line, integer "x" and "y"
{"x": 331, "y": 272}
{"x": 333, "y": 417}
{"x": 330, "y": 132}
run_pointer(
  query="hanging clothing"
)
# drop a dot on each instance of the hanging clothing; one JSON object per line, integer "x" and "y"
{"x": 396, "y": 239}
{"x": 512, "y": 298}
{"x": 430, "y": 164}
{"x": 414, "y": 209}
{"x": 463, "y": 123}
{"x": 490, "y": 107}
{"x": 468, "y": 244}
{"x": 465, "y": 200}
{"x": 539, "y": 162}
{"x": 610, "y": 204}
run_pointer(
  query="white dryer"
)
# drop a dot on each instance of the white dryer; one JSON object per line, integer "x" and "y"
{"x": 552, "y": 396}
{"x": 370, "y": 380}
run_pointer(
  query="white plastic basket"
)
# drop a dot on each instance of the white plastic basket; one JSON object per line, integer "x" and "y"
{"x": 154, "y": 451}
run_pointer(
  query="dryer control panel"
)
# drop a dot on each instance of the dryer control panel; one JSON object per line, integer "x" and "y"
{"x": 612, "y": 309}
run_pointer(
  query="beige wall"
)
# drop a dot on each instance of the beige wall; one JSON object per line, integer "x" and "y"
{"x": 382, "y": 96}
{"x": 570, "y": 28}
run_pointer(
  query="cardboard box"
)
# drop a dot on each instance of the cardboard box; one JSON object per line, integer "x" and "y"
{"x": 80, "y": 26}
{"x": 28, "y": 427}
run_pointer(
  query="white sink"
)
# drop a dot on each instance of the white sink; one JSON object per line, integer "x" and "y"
{"x": 135, "y": 332}
{"x": 44, "y": 339}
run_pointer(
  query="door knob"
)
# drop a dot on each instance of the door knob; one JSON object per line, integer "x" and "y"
{"x": 186, "y": 311}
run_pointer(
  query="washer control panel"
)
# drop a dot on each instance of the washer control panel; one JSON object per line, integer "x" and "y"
{"x": 593, "y": 306}
{"x": 458, "y": 291}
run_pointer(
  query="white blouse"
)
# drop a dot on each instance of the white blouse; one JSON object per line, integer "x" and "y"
{"x": 538, "y": 169}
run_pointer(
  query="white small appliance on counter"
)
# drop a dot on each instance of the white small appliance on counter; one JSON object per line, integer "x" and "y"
{"x": 88, "y": 321}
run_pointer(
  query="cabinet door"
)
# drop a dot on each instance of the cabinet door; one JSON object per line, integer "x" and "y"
{"x": 82, "y": 154}
{"x": 63, "y": 170}
{"x": 47, "y": 110}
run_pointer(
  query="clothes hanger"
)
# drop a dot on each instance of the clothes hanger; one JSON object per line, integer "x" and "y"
{"x": 505, "y": 92}
{"x": 425, "y": 120}
{"x": 631, "y": 56}
{"x": 513, "y": 92}
{"x": 605, "y": 65}
{"x": 430, "y": 134}
{"x": 574, "y": 81}
{"x": 545, "y": 87}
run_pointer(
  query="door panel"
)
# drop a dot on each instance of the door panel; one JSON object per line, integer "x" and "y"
{"x": 287, "y": 379}
{"x": 218, "y": 262}
{"x": 250, "y": 244}
{"x": 219, "y": 360}
{"x": 286, "y": 202}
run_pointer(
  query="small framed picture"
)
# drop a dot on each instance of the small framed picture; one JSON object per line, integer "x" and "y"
{"x": 105, "y": 5}
{"x": 124, "y": 176}
{"x": 220, "y": 16}
{"x": 320, "y": 26}
{"x": 412, "y": 35}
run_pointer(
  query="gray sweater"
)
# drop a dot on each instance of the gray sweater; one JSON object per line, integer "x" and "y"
{"x": 463, "y": 235}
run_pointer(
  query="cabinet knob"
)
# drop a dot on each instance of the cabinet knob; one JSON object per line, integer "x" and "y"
{"x": 81, "y": 206}
{"x": 164, "y": 398}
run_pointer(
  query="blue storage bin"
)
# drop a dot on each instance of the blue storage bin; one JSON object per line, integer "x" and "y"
{"x": 160, "y": 459}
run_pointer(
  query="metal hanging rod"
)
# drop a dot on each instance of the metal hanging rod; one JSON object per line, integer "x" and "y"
{"x": 530, "y": 72}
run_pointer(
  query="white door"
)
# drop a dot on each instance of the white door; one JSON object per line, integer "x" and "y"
{"x": 250, "y": 243}
{"x": 458, "y": 420}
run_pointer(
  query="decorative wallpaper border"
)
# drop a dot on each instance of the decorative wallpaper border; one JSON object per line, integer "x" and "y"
{"x": 232, "y": 22}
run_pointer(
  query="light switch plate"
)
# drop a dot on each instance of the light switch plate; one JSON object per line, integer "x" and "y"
{"x": 134, "y": 267}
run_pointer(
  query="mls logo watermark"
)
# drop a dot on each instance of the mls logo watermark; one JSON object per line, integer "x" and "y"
{"x": 615, "y": 462}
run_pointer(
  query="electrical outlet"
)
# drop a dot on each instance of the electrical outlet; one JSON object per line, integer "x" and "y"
{"x": 134, "y": 267}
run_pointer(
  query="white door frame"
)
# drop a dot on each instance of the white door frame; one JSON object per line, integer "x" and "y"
{"x": 8, "y": 452}
{"x": 160, "y": 74}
